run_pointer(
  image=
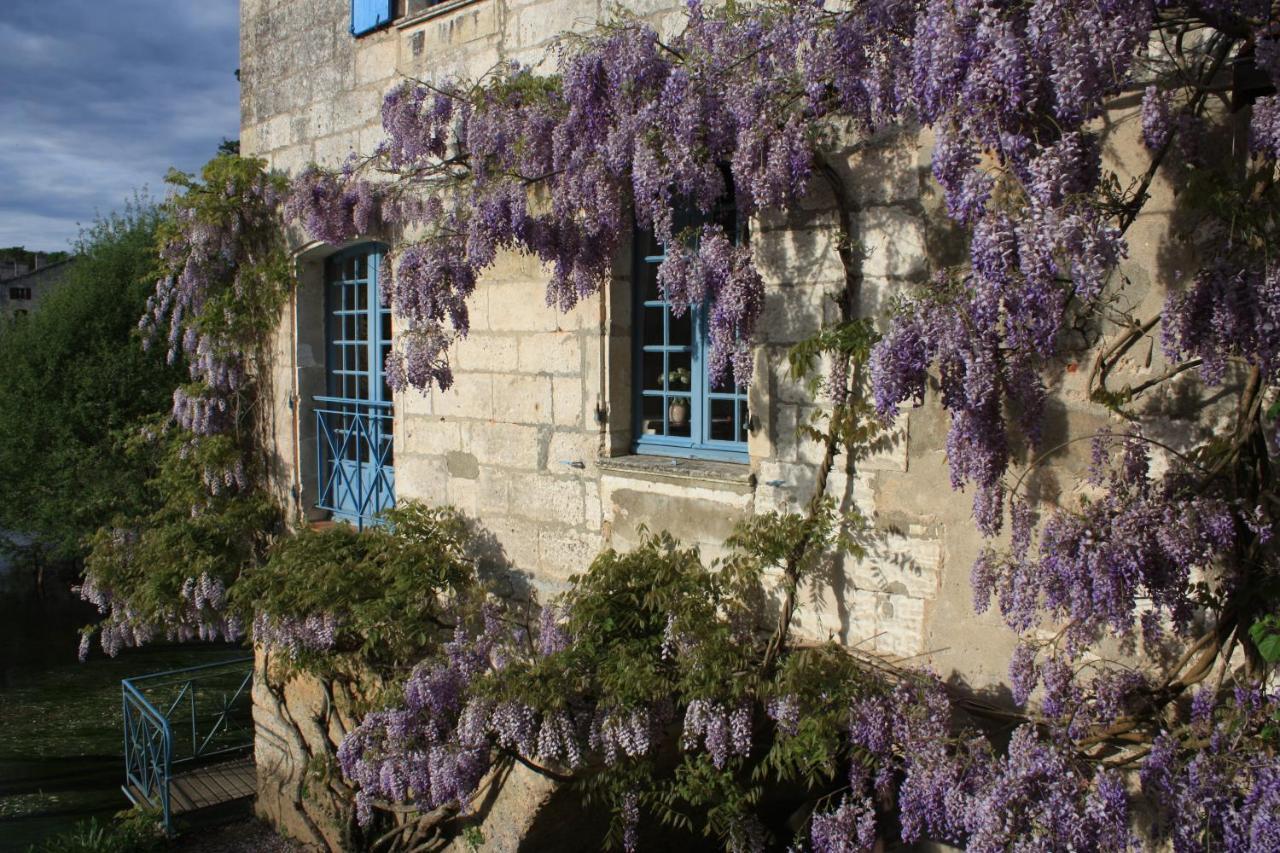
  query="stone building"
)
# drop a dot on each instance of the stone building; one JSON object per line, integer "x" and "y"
{"x": 22, "y": 293}
{"x": 545, "y": 440}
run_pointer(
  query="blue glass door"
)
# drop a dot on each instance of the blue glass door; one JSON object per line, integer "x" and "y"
{"x": 354, "y": 420}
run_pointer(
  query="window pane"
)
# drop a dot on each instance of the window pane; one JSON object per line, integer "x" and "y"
{"x": 723, "y": 385}
{"x": 721, "y": 427}
{"x": 744, "y": 421}
{"x": 349, "y": 269}
{"x": 361, "y": 266}
{"x": 652, "y": 376}
{"x": 362, "y": 327}
{"x": 681, "y": 330}
{"x": 679, "y": 375}
{"x": 648, "y": 284}
{"x": 653, "y": 326}
{"x": 334, "y": 327}
{"x": 652, "y": 410}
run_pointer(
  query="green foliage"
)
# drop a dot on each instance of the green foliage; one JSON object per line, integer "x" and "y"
{"x": 243, "y": 307}
{"x": 825, "y": 679}
{"x": 29, "y": 257}
{"x": 395, "y": 591}
{"x": 853, "y": 419}
{"x": 623, "y": 611}
{"x": 473, "y": 837}
{"x": 656, "y": 628}
{"x": 1265, "y": 634}
{"x": 147, "y": 558}
{"x": 74, "y": 383}
{"x": 128, "y": 832}
{"x": 224, "y": 274}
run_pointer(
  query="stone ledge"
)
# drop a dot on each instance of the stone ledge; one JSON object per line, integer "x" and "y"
{"x": 736, "y": 475}
{"x": 432, "y": 12}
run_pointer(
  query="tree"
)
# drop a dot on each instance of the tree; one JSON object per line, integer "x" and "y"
{"x": 74, "y": 384}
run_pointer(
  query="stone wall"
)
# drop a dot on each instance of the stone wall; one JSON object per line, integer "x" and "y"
{"x": 534, "y": 439}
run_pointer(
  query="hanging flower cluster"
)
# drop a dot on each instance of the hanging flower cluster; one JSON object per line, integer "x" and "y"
{"x": 218, "y": 250}
{"x": 198, "y": 612}
{"x": 1141, "y": 539}
{"x": 631, "y": 130}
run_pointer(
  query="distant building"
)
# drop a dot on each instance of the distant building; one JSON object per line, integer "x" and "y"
{"x": 20, "y": 293}
{"x": 10, "y": 268}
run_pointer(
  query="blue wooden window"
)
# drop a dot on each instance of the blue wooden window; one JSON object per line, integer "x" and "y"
{"x": 354, "y": 420}
{"x": 369, "y": 15}
{"x": 678, "y": 410}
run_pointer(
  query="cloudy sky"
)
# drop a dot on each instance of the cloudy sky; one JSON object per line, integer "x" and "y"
{"x": 98, "y": 98}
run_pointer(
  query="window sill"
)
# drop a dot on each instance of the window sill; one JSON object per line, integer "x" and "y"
{"x": 736, "y": 475}
{"x": 432, "y": 12}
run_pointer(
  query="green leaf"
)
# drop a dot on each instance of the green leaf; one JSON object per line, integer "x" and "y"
{"x": 1265, "y": 634}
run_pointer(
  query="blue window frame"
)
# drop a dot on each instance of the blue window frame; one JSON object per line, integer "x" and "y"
{"x": 678, "y": 410}
{"x": 354, "y": 420}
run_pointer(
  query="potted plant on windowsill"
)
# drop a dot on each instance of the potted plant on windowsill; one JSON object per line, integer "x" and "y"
{"x": 678, "y": 411}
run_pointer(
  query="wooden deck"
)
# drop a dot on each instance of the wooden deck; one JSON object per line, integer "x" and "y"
{"x": 213, "y": 785}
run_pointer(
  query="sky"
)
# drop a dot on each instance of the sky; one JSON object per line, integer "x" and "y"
{"x": 99, "y": 98}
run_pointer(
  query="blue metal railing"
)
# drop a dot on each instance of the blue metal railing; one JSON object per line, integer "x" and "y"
{"x": 356, "y": 479}
{"x": 180, "y": 717}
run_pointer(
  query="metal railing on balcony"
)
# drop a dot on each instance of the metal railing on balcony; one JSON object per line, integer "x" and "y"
{"x": 354, "y": 458}
{"x": 182, "y": 719}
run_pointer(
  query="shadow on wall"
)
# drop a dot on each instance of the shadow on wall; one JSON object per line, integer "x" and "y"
{"x": 493, "y": 568}
{"x": 874, "y": 553}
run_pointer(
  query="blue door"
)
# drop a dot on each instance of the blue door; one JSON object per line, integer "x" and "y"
{"x": 354, "y": 419}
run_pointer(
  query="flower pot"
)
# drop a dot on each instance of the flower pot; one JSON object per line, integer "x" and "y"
{"x": 678, "y": 413}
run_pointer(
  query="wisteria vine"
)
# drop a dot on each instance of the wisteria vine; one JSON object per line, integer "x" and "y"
{"x": 223, "y": 277}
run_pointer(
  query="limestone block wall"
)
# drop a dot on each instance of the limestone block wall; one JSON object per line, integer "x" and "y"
{"x": 533, "y": 441}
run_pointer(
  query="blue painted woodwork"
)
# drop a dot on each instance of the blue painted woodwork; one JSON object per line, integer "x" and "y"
{"x": 354, "y": 422}
{"x": 670, "y": 364}
{"x": 354, "y": 457}
{"x": 180, "y": 717}
{"x": 369, "y": 15}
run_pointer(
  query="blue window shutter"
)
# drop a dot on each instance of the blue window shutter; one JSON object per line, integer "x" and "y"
{"x": 369, "y": 15}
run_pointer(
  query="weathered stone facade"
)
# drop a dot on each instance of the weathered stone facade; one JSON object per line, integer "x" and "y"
{"x": 22, "y": 293}
{"x": 534, "y": 440}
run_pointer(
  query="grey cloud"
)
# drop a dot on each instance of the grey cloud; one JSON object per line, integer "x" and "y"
{"x": 98, "y": 98}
